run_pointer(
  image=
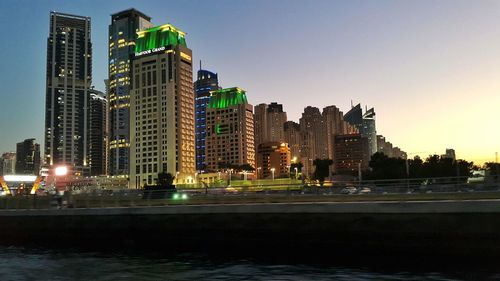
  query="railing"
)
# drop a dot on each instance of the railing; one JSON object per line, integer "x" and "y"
{"x": 380, "y": 190}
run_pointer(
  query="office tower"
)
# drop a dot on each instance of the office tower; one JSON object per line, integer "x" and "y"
{"x": 312, "y": 138}
{"x": 273, "y": 160}
{"x": 334, "y": 125}
{"x": 205, "y": 83}
{"x": 9, "y": 163}
{"x": 230, "y": 129}
{"x": 162, "y": 107}
{"x": 97, "y": 133}
{"x": 365, "y": 122}
{"x": 28, "y": 157}
{"x": 269, "y": 120}
{"x": 292, "y": 137}
{"x": 122, "y": 40}
{"x": 351, "y": 154}
{"x": 69, "y": 75}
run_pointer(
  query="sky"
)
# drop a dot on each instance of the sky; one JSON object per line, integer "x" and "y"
{"x": 431, "y": 69}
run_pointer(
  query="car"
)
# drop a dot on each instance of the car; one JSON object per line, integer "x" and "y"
{"x": 348, "y": 190}
{"x": 365, "y": 190}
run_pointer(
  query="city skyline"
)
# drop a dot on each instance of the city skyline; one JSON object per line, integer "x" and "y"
{"x": 403, "y": 75}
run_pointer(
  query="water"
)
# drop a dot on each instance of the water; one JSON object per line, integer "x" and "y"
{"x": 36, "y": 264}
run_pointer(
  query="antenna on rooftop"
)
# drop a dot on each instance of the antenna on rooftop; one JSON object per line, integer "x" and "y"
{"x": 200, "y": 64}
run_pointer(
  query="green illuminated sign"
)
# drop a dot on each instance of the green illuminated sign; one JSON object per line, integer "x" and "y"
{"x": 227, "y": 97}
{"x": 157, "y": 38}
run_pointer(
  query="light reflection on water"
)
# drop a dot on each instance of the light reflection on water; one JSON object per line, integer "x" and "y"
{"x": 30, "y": 264}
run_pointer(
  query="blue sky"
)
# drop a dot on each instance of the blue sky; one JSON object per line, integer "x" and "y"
{"x": 431, "y": 69}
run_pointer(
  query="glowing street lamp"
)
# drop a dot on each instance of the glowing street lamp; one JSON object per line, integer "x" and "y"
{"x": 296, "y": 173}
{"x": 257, "y": 172}
{"x": 272, "y": 172}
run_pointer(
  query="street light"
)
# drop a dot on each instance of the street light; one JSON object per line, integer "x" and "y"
{"x": 272, "y": 172}
{"x": 296, "y": 173}
{"x": 257, "y": 172}
{"x": 245, "y": 175}
{"x": 176, "y": 177}
{"x": 230, "y": 172}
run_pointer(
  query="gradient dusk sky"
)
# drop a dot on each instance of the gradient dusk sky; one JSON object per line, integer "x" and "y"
{"x": 431, "y": 69}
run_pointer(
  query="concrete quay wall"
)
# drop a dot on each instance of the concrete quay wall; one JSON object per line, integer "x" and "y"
{"x": 462, "y": 227}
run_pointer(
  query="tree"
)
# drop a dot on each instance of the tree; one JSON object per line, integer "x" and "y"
{"x": 322, "y": 169}
{"x": 384, "y": 167}
{"x": 165, "y": 180}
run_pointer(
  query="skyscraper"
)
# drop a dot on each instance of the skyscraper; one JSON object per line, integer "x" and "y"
{"x": 274, "y": 160}
{"x": 292, "y": 137}
{"x": 9, "y": 163}
{"x": 28, "y": 157}
{"x": 230, "y": 129}
{"x": 69, "y": 75}
{"x": 269, "y": 120}
{"x": 97, "y": 133}
{"x": 205, "y": 83}
{"x": 162, "y": 107}
{"x": 365, "y": 122}
{"x": 312, "y": 137}
{"x": 122, "y": 39}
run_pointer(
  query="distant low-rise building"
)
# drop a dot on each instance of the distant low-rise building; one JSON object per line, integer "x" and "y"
{"x": 273, "y": 155}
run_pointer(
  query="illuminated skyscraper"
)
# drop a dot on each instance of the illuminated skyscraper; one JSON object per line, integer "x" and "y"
{"x": 230, "y": 129}
{"x": 269, "y": 120}
{"x": 69, "y": 75}
{"x": 162, "y": 107}
{"x": 207, "y": 82}
{"x": 97, "y": 133}
{"x": 122, "y": 36}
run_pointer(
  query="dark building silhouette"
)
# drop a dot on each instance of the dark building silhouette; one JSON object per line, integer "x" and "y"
{"x": 28, "y": 157}
{"x": 351, "y": 153}
{"x": 97, "y": 133}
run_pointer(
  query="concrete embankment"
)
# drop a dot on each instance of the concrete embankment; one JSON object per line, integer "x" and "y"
{"x": 450, "y": 227}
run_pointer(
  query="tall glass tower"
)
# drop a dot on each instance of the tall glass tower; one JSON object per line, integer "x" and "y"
{"x": 205, "y": 83}
{"x": 69, "y": 75}
{"x": 122, "y": 36}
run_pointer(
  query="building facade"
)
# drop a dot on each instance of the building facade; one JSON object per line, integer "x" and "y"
{"x": 205, "y": 83}
{"x": 97, "y": 133}
{"x": 273, "y": 160}
{"x": 9, "y": 163}
{"x": 351, "y": 154}
{"x": 230, "y": 130}
{"x": 28, "y": 157}
{"x": 313, "y": 138}
{"x": 122, "y": 39}
{"x": 69, "y": 75}
{"x": 365, "y": 123}
{"x": 292, "y": 137}
{"x": 269, "y": 120}
{"x": 162, "y": 107}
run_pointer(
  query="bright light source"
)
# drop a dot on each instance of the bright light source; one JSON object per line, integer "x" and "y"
{"x": 19, "y": 178}
{"x": 61, "y": 171}
{"x": 184, "y": 196}
{"x": 176, "y": 196}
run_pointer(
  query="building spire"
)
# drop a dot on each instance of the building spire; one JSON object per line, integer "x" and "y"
{"x": 200, "y": 64}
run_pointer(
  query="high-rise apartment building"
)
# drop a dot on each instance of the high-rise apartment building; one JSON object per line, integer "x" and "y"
{"x": 293, "y": 138}
{"x": 312, "y": 138}
{"x": 122, "y": 40}
{"x": 69, "y": 75}
{"x": 28, "y": 157}
{"x": 162, "y": 107}
{"x": 269, "y": 120}
{"x": 205, "y": 83}
{"x": 230, "y": 129}
{"x": 97, "y": 133}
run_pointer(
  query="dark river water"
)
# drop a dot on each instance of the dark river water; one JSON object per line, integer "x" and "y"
{"x": 36, "y": 264}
